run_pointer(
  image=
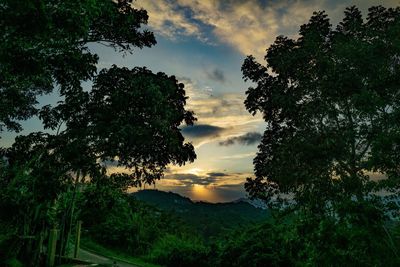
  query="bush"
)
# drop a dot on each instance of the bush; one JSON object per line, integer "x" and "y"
{"x": 256, "y": 246}
{"x": 174, "y": 251}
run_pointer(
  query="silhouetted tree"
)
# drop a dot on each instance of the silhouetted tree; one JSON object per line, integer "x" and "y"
{"x": 45, "y": 46}
{"x": 130, "y": 117}
{"x": 332, "y": 104}
{"x": 331, "y": 100}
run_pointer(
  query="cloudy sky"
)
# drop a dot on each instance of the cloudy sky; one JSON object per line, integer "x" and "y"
{"x": 203, "y": 43}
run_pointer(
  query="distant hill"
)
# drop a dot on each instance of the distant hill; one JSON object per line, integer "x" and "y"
{"x": 209, "y": 219}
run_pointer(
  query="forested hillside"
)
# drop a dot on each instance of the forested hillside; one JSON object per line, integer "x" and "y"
{"x": 210, "y": 219}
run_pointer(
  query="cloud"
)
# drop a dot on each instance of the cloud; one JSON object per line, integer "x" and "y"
{"x": 217, "y": 174}
{"x": 216, "y": 75}
{"x": 193, "y": 91}
{"x": 246, "y": 139}
{"x": 239, "y": 156}
{"x": 202, "y": 130}
{"x": 225, "y": 110}
{"x": 167, "y": 19}
{"x": 224, "y": 115}
{"x": 189, "y": 179}
{"x": 248, "y": 26}
{"x": 207, "y": 179}
{"x": 213, "y": 186}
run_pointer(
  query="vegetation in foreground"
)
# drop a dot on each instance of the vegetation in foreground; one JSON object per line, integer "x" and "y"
{"x": 126, "y": 117}
{"x": 114, "y": 254}
{"x": 283, "y": 239}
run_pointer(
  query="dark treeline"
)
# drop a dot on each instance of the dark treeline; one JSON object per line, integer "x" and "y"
{"x": 330, "y": 99}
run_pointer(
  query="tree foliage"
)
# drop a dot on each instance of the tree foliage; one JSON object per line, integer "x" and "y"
{"x": 45, "y": 46}
{"x": 130, "y": 117}
{"x": 331, "y": 100}
{"x": 332, "y": 105}
{"x": 117, "y": 220}
{"x": 134, "y": 117}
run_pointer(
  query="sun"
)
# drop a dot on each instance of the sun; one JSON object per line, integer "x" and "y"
{"x": 204, "y": 193}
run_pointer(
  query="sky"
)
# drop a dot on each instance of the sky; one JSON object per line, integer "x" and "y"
{"x": 203, "y": 43}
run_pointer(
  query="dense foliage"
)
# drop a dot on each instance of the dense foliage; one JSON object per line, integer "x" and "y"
{"x": 282, "y": 240}
{"x": 115, "y": 219}
{"x": 129, "y": 118}
{"x": 45, "y": 46}
{"x": 332, "y": 107}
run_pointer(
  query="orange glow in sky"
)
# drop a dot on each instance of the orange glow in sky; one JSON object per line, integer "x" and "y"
{"x": 202, "y": 192}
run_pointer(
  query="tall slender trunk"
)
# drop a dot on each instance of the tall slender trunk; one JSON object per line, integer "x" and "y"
{"x": 62, "y": 237}
{"x": 76, "y": 185}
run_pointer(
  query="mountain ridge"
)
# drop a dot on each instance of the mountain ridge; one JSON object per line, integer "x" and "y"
{"x": 209, "y": 219}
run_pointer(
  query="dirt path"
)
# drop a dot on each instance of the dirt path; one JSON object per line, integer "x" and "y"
{"x": 95, "y": 258}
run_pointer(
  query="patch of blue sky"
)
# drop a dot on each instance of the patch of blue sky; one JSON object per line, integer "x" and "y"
{"x": 185, "y": 58}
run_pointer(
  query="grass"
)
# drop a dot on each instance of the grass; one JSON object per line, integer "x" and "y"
{"x": 92, "y": 246}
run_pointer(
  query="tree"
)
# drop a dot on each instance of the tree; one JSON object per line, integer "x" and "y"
{"x": 134, "y": 117}
{"x": 130, "y": 118}
{"x": 331, "y": 100}
{"x": 45, "y": 46}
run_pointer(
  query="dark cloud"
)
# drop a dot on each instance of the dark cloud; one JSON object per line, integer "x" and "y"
{"x": 210, "y": 178}
{"x": 202, "y": 130}
{"x": 221, "y": 192}
{"x": 216, "y": 75}
{"x": 110, "y": 163}
{"x": 217, "y": 174}
{"x": 189, "y": 179}
{"x": 246, "y": 139}
{"x": 228, "y": 142}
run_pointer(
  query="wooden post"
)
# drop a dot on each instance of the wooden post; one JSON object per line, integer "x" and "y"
{"x": 51, "y": 248}
{"x": 77, "y": 238}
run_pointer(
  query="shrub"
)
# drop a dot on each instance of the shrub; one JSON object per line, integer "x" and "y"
{"x": 174, "y": 251}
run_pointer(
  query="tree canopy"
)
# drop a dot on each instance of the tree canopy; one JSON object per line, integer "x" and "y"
{"x": 129, "y": 118}
{"x": 45, "y": 46}
{"x": 331, "y": 100}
